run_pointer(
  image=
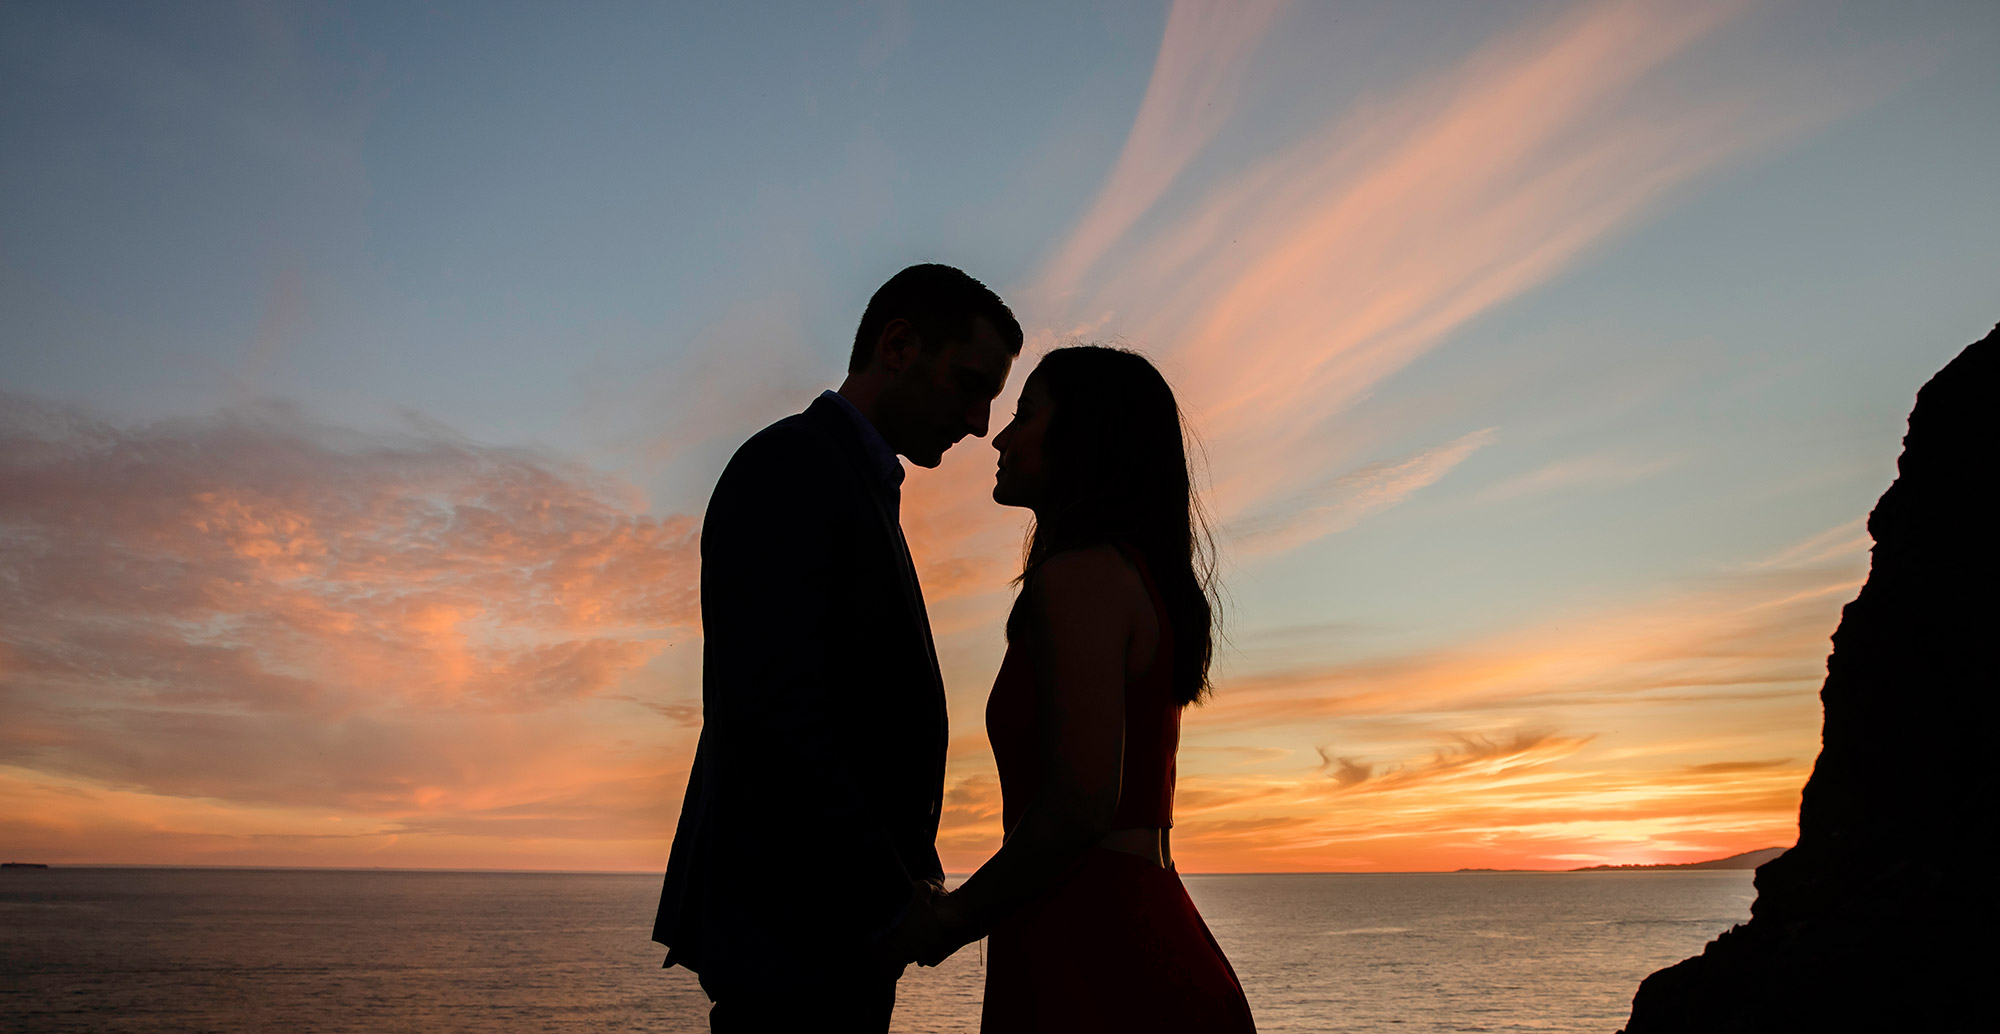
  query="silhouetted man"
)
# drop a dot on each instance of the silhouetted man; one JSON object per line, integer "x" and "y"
{"x": 805, "y": 859}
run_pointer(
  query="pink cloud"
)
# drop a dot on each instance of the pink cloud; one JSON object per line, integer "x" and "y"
{"x": 1197, "y": 80}
{"x": 1294, "y": 283}
{"x": 254, "y": 608}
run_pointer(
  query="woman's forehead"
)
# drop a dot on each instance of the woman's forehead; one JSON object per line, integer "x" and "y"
{"x": 1036, "y": 389}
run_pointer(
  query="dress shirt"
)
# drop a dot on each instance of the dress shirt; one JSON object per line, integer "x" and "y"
{"x": 880, "y": 454}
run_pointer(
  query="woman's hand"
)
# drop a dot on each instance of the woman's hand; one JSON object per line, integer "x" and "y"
{"x": 953, "y": 930}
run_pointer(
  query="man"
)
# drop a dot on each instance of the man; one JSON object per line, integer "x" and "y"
{"x": 805, "y": 861}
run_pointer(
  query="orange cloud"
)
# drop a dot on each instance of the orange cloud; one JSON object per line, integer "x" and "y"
{"x": 1683, "y": 724}
{"x": 409, "y": 631}
{"x": 1467, "y": 757}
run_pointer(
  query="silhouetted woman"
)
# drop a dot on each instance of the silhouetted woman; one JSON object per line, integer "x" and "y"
{"x": 1089, "y": 927}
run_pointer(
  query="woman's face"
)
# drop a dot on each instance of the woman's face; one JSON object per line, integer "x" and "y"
{"x": 1022, "y": 478}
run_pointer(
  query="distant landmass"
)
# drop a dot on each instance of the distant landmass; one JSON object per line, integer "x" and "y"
{"x": 23, "y": 865}
{"x": 1746, "y": 860}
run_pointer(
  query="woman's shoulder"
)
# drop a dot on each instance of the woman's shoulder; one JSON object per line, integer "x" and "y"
{"x": 1087, "y": 575}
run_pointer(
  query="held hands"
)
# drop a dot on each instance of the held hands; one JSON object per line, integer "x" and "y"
{"x": 954, "y": 930}
{"x": 931, "y": 929}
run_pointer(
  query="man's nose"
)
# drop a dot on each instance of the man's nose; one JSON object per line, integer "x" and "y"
{"x": 981, "y": 417}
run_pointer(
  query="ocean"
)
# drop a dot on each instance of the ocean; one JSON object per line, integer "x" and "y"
{"x": 385, "y": 952}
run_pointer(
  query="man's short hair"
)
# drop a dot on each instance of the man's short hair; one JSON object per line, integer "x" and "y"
{"x": 940, "y": 302}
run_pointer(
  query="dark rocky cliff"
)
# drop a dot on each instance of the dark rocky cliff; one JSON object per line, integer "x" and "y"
{"x": 1883, "y": 917}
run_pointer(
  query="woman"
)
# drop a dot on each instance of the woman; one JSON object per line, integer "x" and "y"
{"x": 1089, "y": 927}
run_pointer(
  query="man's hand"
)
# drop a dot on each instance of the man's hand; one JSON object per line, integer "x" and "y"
{"x": 953, "y": 931}
{"x": 917, "y": 931}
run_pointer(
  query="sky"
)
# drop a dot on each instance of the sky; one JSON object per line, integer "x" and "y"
{"x": 364, "y": 370}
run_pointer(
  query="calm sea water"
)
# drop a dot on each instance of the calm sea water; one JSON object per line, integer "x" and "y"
{"x": 327, "y": 952}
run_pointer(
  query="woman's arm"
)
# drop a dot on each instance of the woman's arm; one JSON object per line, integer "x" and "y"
{"x": 1081, "y": 616}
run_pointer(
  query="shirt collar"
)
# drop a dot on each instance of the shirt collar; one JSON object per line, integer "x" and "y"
{"x": 879, "y": 453}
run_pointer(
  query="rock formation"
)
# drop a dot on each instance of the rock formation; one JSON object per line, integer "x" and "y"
{"x": 1883, "y": 917}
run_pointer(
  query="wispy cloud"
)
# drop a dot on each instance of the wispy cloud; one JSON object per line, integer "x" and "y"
{"x": 1748, "y": 635}
{"x": 1599, "y": 469}
{"x": 1469, "y": 756}
{"x": 1279, "y": 286}
{"x": 1736, "y": 767}
{"x": 1347, "y": 499}
{"x": 1291, "y": 289}
{"x": 1197, "y": 80}
{"x": 1286, "y": 283}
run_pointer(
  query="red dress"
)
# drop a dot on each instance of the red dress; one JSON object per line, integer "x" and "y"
{"x": 1116, "y": 945}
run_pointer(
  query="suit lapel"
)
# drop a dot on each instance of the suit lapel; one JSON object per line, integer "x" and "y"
{"x": 849, "y": 445}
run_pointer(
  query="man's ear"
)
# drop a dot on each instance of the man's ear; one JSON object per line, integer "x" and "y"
{"x": 897, "y": 345}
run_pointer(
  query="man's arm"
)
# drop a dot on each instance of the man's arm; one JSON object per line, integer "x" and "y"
{"x": 776, "y": 559}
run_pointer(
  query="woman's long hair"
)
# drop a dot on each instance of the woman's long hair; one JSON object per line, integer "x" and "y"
{"x": 1117, "y": 455}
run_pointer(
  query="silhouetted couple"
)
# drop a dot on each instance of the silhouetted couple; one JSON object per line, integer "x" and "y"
{"x": 805, "y": 874}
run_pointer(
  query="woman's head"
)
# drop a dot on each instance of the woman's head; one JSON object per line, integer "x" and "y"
{"x": 1098, "y": 451}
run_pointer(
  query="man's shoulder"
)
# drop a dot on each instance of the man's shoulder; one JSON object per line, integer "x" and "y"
{"x": 792, "y": 454}
{"x": 800, "y": 436}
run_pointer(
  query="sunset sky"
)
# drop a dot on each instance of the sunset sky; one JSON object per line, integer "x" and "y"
{"x": 364, "y": 370}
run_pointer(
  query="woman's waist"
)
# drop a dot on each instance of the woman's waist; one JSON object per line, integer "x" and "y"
{"x": 1151, "y": 843}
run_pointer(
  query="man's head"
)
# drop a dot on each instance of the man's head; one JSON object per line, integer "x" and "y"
{"x": 933, "y": 349}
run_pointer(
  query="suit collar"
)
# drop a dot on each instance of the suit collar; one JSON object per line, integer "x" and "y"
{"x": 827, "y": 411}
{"x": 880, "y": 455}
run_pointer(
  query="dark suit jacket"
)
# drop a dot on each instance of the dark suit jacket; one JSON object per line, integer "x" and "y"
{"x": 814, "y": 798}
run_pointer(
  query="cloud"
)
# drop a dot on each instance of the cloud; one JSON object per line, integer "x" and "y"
{"x": 1736, "y": 767}
{"x": 969, "y": 830}
{"x": 1197, "y": 79}
{"x": 1522, "y": 799}
{"x": 255, "y": 608}
{"x": 1598, "y": 469}
{"x": 1277, "y": 285}
{"x": 1240, "y": 756}
{"x": 973, "y": 801}
{"x": 1756, "y": 632}
{"x": 1698, "y": 703}
{"x": 1289, "y": 280}
{"x": 1286, "y": 288}
{"x": 1346, "y": 772}
{"x": 1346, "y": 500}
{"x": 1836, "y": 543}
{"x": 1466, "y": 757}
{"x": 681, "y": 713}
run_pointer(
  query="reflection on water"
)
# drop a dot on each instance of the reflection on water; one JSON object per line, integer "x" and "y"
{"x": 327, "y": 952}
{"x": 1461, "y": 951}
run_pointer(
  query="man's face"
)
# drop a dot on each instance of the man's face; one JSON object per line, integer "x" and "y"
{"x": 941, "y": 397}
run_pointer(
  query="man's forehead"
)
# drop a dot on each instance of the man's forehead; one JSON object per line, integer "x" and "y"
{"x": 984, "y": 351}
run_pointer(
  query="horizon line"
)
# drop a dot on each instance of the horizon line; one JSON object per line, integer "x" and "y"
{"x": 661, "y": 871}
